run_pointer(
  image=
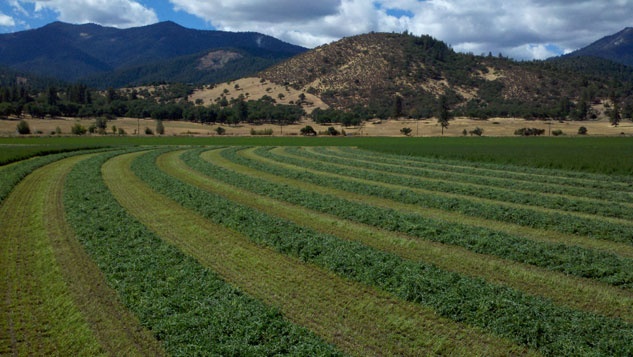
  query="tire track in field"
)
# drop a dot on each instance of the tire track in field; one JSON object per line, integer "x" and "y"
{"x": 282, "y": 153}
{"x": 360, "y": 319}
{"x": 578, "y": 293}
{"x": 539, "y": 235}
{"x": 43, "y": 242}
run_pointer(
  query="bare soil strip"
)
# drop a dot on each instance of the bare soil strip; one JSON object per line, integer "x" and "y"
{"x": 56, "y": 300}
{"x": 578, "y": 293}
{"x": 541, "y": 235}
{"x": 359, "y": 319}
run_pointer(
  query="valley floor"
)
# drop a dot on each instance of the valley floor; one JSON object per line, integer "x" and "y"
{"x": 422, "y": 128}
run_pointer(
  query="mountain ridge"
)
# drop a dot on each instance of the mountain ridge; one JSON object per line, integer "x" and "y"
{"x": 74, "y": 52}
{"x": 617, "y": 48}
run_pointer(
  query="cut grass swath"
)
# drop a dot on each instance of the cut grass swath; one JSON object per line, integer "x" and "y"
{"x": 530, "y": 321}
{"x": 357, "y": 318}
{"x": 564, "y": 290}
{"x": 39, "y": 316}
{"x": 187, "y": 307}
{"x": 394, "y": 216}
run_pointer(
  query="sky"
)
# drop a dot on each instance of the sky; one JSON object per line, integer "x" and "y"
{"x": 520, "y": 29}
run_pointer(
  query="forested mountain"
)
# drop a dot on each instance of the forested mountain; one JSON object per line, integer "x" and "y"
{"x": 161, "y": 52}
{"x": 617, "y": 48}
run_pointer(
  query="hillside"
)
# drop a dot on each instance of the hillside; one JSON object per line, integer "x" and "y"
{"x": 73, "y": 52}
{"x": 403, "y": 75}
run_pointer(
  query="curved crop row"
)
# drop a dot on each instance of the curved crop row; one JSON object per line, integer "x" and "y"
{"x": 55, "y": 301}
{"x": 187, "y": 307}
{"x": 12, "y": 174}
{"x": 578, "y": 261}
{"x": 531, "y": 321}
{"x": 563, "y": 289}
{"x": 400, "y": 164}
{"x": 620, "y": 231}
{"x": 521, "y": 173}
{"x": 510, "y": 191}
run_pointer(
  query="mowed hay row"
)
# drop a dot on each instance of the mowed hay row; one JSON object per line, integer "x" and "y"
{"x": 55, "y": 301}
{"x": 215, "y": 255}
{"x": 577, "y": 293}
{"x": 496, "y": 208}
{"x": 453, "y": 295}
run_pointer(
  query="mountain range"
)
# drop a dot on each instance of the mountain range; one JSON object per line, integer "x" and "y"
{"x": 375, "y": 74}
{"x": 116, "y": 57}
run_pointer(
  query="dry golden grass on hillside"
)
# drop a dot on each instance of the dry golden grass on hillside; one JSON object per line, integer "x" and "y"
{"x": 423, "y": 128}
{"x": 254, "y": 88}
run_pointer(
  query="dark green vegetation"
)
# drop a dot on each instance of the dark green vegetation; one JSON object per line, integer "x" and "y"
{"x": 161, "y": 52}
{"x": 591, "y": 154}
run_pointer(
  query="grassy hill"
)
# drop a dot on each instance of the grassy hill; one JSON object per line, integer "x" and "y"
{"x": 390, "y": 74}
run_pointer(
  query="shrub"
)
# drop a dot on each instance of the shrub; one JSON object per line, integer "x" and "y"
{"x": 78, "y": 129}
{"x": 465, "y": 132}
{"x": 160, "y": 128}
{"x": 477, "y": 131}
{"x": 332, "y": 131}
{"x": 582, "y": 130}
{"x": 406, "y": 131}
{"x": 557, "y": 132}
{"x": 220, "y": 130}
{"x": 529, "y": 132}
{"x": 148, "y": 131}
{"x": 23, "y": 128}
{"x": 308, "y": 131}
{"x": 121, "y": 131}
{"x": 101, "y": 123}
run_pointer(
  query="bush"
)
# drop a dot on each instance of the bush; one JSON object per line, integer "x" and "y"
{"x": 477, "y": 131}
{"x": 220, "y": 130}
{"x": 332, "y": 131}
{"x": 121, "y": 131}
{"x": 148, "y": 131}
{"x": 78, "y": 129}
{"x": 101, "y": 123}
{"x": 406, "y": 131}
{"x": 23, "y": 128}
{"x": 582, "y": 130}
{"x": 160, "y": 128}
{"x": 308, "y": 131}
{"x": 557, "y": 132}
{"x": 529, "y": 132}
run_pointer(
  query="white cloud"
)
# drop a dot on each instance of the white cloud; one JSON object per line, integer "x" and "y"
{"x": 523, "y": 29}
{"x": 6, "y": 21}
{"x": 116, "y": 13}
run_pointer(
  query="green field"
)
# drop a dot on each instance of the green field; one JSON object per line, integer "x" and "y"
{"x": 609, "y": 155}
{"x": 317, "y": 246}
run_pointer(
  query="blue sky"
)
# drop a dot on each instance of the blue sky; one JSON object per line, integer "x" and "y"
{"x": 523, "y": 29}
